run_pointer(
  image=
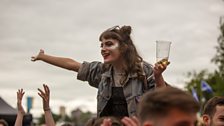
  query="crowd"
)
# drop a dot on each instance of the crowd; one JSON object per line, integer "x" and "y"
{"x": 131, "y": 92}
{"x": 167, "y": 106}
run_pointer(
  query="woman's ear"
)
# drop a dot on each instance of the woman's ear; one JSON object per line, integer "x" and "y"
{"x": 206, "y": 119}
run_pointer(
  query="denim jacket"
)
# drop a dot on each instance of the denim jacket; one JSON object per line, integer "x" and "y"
{"x": 133, "y": 89}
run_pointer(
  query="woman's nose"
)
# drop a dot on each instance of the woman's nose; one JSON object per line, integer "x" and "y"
{"x": 103, "y": 47}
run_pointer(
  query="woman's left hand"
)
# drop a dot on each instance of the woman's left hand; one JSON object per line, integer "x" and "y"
{"x": 160, "y": 67}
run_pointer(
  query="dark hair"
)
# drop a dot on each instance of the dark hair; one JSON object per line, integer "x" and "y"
{"x": 158, "y": 103}
{"x": 91, "y": 121}
{"x": 67, "y": 124}
{"x": 2, "y": 121}
{"x": 127, "y": 48}
{"x": 210, "y": 106}
{"x": 98, "y": 121}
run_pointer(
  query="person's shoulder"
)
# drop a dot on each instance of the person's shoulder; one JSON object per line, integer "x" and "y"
{"x": 96, "y": 62}
{"x": 92, "y": 65}
{"x": 147, "y": 65}
{"x": 148, "y": 68}
{"x": 93, "y": 62}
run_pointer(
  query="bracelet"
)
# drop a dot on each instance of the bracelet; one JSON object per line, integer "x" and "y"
{"x": 22, "y": 112}
{"x": 47, "y": 109}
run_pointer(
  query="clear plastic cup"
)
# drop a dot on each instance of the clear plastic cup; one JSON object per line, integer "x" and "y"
{"x": 162, "y": 51}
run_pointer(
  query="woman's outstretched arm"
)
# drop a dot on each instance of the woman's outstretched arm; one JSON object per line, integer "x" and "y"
{"x": 62, "y": 62}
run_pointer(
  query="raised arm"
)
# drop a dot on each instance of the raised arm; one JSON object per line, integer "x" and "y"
{"x": 62, "y": 62}
{"x": 45, "y": 95}
{"x": 21, "y": 112}
{"x": 158, "y": 69}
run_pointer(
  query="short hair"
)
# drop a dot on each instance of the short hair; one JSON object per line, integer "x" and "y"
{"x": 98, "y": 121}
{"x": 159, "y": 102}
{"x": 210, "y": 106}
{"x": 2, "y": 121}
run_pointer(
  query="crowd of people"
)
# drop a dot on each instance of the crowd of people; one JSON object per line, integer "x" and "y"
{"x": 167, "y": 106}
{"x": 131, "y": 92}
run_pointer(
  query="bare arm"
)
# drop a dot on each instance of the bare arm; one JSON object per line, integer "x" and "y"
{"x": 45, "y": 95}
{"x": 62, "y": 62}
{"x": 158, "y": 69}
{"x": 21, "y": 112}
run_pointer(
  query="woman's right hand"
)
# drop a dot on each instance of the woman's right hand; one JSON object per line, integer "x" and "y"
{"x": 37, "y": 57}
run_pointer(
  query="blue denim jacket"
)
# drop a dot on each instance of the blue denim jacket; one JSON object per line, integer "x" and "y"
{"x": 133, "y": 89}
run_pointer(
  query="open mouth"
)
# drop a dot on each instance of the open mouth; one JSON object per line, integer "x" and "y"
{"x": 105, "y": 55}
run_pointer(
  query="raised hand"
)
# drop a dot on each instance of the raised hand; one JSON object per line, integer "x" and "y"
{"x": 37, "y": 57}
{"x": 160, "y": 67}
{"x": 45, "y": 95}
{"x": 21, "y": 112}
{"x": 20, "y": 94}
{"x": 106, "y": 122}
{"x": 130, "y": 121}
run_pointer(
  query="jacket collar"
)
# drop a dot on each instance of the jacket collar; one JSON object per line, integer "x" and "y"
{"x": 109, "y": 73}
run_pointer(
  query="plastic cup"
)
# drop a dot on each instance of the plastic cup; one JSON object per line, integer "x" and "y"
{"x": 162, "y": 50}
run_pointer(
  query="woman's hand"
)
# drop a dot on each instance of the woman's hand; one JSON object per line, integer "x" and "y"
{"x": 45, "y": 95}
{"x": 20, "y": 94}
{"x": 160, "y": 67}
{"x": 158, "y": 70}
{"x": 37, "y": 57}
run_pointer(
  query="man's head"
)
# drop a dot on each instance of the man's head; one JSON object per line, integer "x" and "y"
{"x": 3, "y": 122}
{"x": 167, "y": 107}
{"x": 213, "y": 113}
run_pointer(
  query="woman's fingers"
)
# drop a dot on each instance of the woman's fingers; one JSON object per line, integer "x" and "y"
{"x": 34, "y": 58}
{"x": 161, "y": 66}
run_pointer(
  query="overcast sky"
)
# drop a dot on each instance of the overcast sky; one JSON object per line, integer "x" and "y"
{"x": 70, "y": 28}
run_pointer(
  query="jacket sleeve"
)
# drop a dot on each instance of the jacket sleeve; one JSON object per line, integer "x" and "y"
{"x": 90, "y": 72}
{"x": 148, "y": 69}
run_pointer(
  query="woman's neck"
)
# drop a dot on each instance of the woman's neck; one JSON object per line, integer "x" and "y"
{"x": 119, "y": 68}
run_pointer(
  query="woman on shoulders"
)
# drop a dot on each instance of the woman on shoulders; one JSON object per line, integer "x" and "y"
{"x": 121, "y": 79}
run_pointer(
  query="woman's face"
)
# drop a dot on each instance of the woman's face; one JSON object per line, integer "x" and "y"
{"x": 110, "y": 51}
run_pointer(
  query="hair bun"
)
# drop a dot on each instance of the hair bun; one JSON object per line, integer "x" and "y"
{"x": 126, "y": 30}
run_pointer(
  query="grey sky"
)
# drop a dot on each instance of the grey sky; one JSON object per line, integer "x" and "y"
{"x": 70, "y": 28}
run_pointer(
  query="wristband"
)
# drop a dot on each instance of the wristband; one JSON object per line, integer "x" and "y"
{"x": 47, "y": 109}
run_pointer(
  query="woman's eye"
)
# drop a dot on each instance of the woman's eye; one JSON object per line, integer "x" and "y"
{"x": 109, "y": 44}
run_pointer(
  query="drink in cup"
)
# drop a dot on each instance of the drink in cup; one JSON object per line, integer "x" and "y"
{"x": 162, "y": 51}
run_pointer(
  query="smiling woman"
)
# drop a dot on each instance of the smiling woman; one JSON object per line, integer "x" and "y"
{"x": 121, "y": 79}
